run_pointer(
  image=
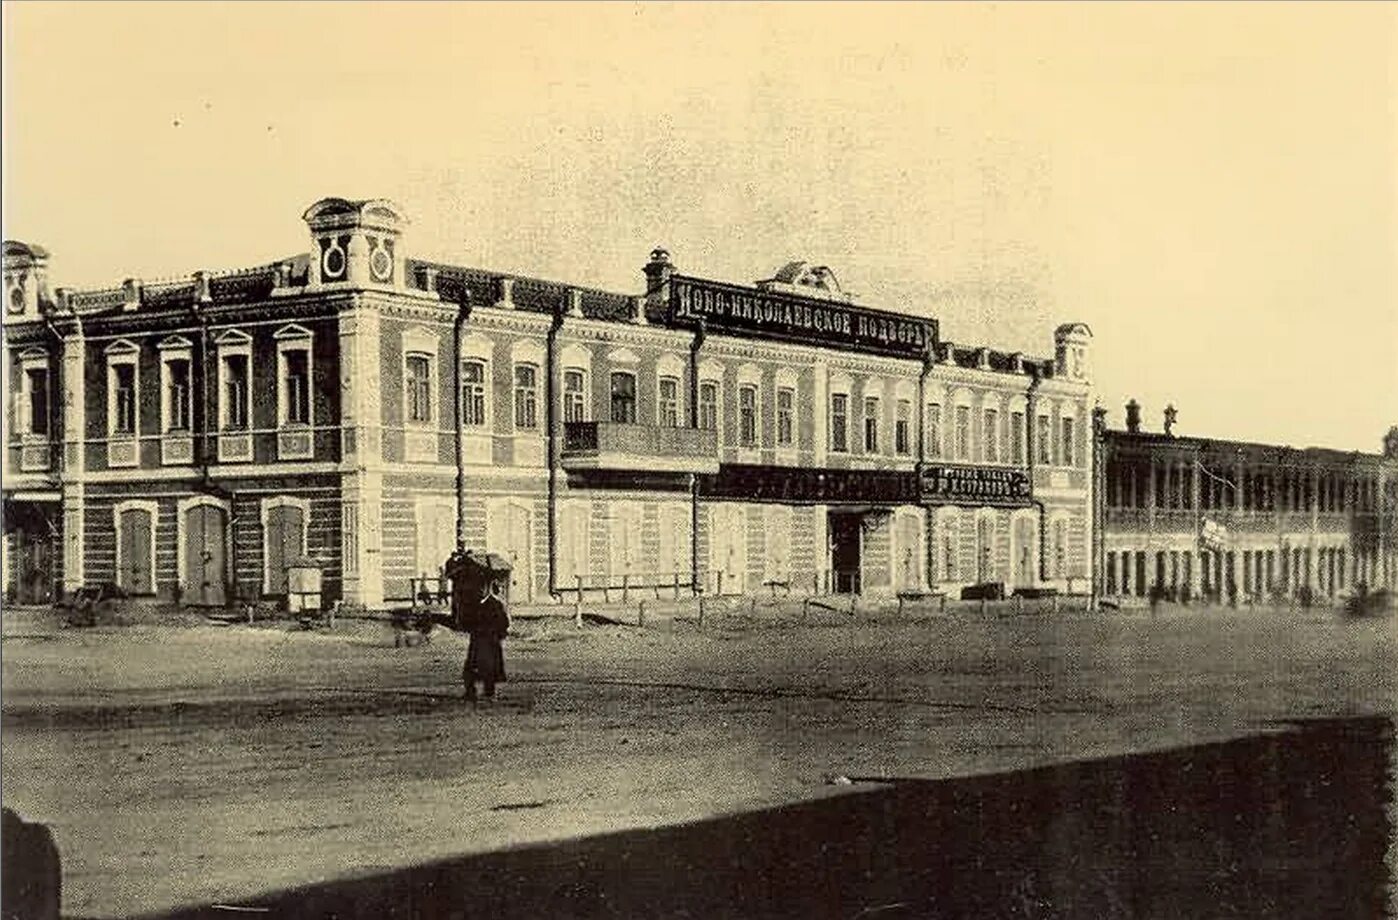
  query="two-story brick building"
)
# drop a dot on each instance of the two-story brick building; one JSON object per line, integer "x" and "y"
{"x": 1205, "y": 517}
{"x": 368, "y": 411}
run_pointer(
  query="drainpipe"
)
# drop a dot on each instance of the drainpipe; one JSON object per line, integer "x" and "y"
{"x": 551, "y": 419}
{"x": 201, "y": 437}
{"x": 55, "y": 395}
{"x": 1030, "y": 424}
{"x": 929, "y": 360}
{"x": 463, "y": 314}
{"x": 699, "y": 335}
{"x": 1099, "y": 504}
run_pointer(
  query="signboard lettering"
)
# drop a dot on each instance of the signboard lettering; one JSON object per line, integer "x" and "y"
{"x": 771, "y": 314}
{"x": 981, "y": 485}
{"x": 757, "y": 482}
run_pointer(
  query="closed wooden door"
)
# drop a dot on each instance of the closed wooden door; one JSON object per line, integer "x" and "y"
{"x": 909, "y": 549}
{"x": 286, "y": 540}
{"x": 134, "y": 543}
{"x": 728, "y": 549}
{"x": 34, "y": 567}
{"x": 509, "y": 532}
{"x": 205, "y": 575}
{"x": 1024, "y": 553}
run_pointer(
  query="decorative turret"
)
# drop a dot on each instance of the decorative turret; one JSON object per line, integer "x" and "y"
{"x": 356, "y": 243}
{"x": 26, "y": 281}
{"x": 1072, "y": 352}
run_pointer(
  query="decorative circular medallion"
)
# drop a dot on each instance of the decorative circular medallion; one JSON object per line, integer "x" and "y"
{"x": 381, "y": 264}
{"x": 16, "y": 299}
{"x": 332, "y": 262}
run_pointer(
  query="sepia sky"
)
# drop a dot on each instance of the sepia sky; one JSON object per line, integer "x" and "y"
{"x": 1212, "y": 188}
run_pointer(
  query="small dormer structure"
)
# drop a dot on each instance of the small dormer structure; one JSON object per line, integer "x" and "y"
{"x": 356, "y": 243}
{"x": 806, "y": 280}
{"x": 26, "y": 281}
{"x": 1072, "y": 352}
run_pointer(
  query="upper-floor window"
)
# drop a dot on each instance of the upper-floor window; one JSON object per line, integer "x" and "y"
{"x": 669, "y": 402}
{"x": 36, "y": 388}
{"x": 1016, "y": 437}
{"x": 839, "y": 422}
{"x": 574, "y": 395}
{"x": 708, "y": 405}
{"x": 901, "y": 443}
{"x": 1067, "y": 451}
{"x": 526, "y": 396}
{"x": 933, "y": 435}
{"x": 177, "y": 393}
{"x": 747, "y": 415}
{"x": 963, "y": 432}
{"x": 296, "y": 378}
{"x": 992, "y": 436}
{"x": 124, "y": 398}
{"x": 419, "y": 388}
{"x": 624, "y": 397}
{"x": 473, "y": 393}
{"x": 786, "y": 407}
{"x": 294, "y": 364}
{"x": 871, "y": 424}
{"x": 1043, "y": 434}
{"x": 235, "y": 380}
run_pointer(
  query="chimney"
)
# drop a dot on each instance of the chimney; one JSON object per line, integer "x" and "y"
{"x": 131, "y": 294}
{"x": 1133, "y": 417}
{"x": 658, "y": 270}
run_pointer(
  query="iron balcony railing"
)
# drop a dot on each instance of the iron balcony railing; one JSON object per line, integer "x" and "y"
{"x": 618, "y": 445}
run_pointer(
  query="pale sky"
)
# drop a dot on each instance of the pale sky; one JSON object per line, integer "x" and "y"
{"x": 1212, "y": 188}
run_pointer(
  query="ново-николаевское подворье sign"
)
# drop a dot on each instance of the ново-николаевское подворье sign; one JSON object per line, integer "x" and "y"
{"x": 798, "y": 319}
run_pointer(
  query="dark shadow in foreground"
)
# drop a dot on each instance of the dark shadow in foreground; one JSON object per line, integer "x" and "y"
{"x": 1292, "y": 824}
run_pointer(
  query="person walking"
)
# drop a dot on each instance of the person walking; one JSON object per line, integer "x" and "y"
{"x": 485, "y": 656}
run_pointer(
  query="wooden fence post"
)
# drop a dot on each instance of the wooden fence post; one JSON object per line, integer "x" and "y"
{"x": 577, "y": 605}
{"x": 641, "y": 613}
{"x": 625, "y": 587}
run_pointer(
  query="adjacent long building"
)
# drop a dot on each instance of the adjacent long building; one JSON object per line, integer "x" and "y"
{"x": 367, "y": 411}
{"x": 1239, "y": 521}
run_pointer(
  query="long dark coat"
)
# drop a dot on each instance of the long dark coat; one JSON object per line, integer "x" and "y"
{"x": 485, "y": 657}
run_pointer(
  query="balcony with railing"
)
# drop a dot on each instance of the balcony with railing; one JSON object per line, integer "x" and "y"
{"x": 621, "y": 446}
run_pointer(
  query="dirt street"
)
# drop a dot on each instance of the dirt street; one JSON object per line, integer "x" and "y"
{"x": 182, "y": 766}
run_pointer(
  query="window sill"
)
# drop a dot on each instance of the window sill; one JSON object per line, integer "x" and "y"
{"x": 295, "y": 442}
{"x": 235, "y": 448}
{"x": 176, "y": 449}
{"x": 420, "y": 445}
{"x": 122, "y": 451}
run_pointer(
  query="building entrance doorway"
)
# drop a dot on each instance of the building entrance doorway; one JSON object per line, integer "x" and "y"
{"x": 32, "y": 537}
{"x": 845, "y": 545}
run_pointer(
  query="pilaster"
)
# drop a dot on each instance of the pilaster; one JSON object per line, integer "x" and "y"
{"x": 74, "y": 403}
{"x": 361, "y": 508}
